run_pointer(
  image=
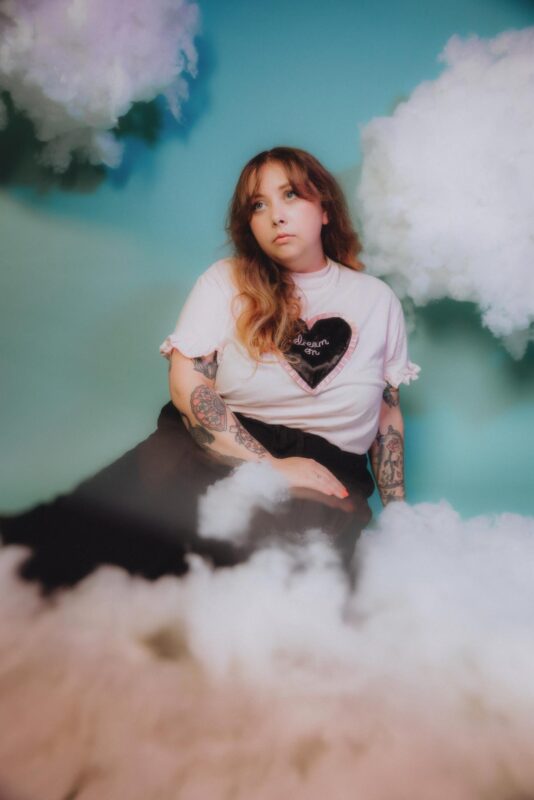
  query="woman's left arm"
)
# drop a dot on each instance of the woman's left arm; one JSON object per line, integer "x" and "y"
{"x": 387, "y": 451}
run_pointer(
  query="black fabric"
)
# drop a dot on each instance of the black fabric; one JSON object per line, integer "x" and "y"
{"x": 140, "y": 512}
{"x": 320, "y": 348}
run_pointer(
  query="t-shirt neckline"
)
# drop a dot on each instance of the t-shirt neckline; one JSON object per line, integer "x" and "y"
{"x": 319, "y": 278}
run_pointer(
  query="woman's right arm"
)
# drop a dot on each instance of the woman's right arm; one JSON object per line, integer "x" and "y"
{"x": 205, "y": 414}
{"x": 215, "y": 428}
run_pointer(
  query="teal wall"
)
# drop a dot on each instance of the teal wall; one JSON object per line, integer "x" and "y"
{"x": 95, "y": 266}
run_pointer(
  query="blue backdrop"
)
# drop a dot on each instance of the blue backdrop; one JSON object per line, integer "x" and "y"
{"x": 95, "y": 266}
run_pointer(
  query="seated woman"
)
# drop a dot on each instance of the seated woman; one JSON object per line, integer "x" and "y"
{"x": 286, "y": 353}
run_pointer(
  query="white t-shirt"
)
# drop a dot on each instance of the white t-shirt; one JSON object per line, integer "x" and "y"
{"x": 355, "y": 342}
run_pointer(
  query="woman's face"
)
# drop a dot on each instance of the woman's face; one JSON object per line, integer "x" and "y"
{"x": 287, "y": 227}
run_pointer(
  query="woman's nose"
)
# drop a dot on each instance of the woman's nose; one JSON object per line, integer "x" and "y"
{"x": 277, "y": 215}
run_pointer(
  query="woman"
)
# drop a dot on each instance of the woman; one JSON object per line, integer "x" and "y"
{"x": 288, "y": 354}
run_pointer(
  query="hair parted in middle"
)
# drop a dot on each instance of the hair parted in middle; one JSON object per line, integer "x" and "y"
{"x": 271, "y": 309}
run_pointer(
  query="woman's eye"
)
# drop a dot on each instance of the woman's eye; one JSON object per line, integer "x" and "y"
{"x": 258, "y": 203}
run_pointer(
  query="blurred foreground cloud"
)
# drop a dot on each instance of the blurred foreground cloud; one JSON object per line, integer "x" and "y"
{"x": 276, "y": 679}
{"x": 445, "y": 198}
{"x": 74, "y": 67}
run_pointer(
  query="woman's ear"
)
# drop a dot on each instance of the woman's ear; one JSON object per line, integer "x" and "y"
{"x": 325, "y": 218}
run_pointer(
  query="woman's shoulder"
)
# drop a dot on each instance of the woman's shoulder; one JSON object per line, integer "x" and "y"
{"x": 220, "y": 273}
{"x": 361, "y": 280}
{"x": 223, "y": 267}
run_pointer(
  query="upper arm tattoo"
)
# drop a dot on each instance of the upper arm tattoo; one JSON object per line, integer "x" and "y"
{"x": 207, "y": 365}
{"x": 208, "y": 408}
{"x": 391, "y": 395}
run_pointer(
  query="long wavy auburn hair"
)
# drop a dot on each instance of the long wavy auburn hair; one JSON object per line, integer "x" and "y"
{"x": 270, "y": 313}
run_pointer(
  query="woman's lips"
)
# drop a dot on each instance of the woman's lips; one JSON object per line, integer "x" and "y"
{"x": 283, "y": 237}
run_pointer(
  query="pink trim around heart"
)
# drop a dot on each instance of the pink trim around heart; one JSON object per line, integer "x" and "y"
{"x": 337, "y": 369}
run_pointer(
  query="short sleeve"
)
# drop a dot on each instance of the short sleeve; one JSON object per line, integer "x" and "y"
{"x": 204, "y": 319}
{"x": 397, "y": 366}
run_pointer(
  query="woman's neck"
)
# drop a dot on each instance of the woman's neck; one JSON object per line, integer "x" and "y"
{"x": 310, "y": 265}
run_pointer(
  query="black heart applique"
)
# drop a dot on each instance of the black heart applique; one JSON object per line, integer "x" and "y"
{"x": 320, "y": 349}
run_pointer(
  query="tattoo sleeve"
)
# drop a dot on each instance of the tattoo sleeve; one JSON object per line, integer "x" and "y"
{"x": 387, "y": 451}
{"x": 206, "y": 365}
{"x": 211, "y": 422}
{"x": 391, "y": 396}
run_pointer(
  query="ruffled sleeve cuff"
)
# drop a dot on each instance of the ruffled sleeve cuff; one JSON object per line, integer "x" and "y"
{"x": 192, "y": 348}
{"x": 168, "y": 345}
{"x": 395, "y": 375}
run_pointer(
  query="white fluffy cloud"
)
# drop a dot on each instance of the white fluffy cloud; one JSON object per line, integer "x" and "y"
{"x": 445, "y": 197}
{"x": 226, "y": 508}
{"x": 276, "y": 679}
{"x": 75, "y": 66}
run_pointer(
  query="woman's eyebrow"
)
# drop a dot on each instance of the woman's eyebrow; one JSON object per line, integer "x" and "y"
{"x": 283, "y": 186}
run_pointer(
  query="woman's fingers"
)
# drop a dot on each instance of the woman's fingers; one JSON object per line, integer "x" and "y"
{"x": 333, "y": 501}
{"x": 310, "y": 474}
{"x": 325, "y": 481}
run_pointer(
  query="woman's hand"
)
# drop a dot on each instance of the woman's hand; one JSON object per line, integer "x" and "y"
{"x": 306, "y": 473}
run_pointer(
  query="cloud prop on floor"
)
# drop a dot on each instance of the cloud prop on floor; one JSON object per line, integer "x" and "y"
{"x": 74, "y": 67}
{"x": 225, "y": 510}
{"x": 276, "y": 679}
{"x": 445, "y": 196}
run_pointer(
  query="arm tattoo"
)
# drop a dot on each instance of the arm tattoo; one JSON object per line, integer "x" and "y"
{"x": 206, "y": 365}
{"x": 208, "y": 408}
{"x": 211, "y": 412}
{"x": 242, "y": 436}
{"x": 201, "y": 436}
{"x": 391, "y": 396}
{"x": 387, "y": 460}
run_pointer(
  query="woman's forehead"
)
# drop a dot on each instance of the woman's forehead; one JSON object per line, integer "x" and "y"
{"x": 259, "y": 174}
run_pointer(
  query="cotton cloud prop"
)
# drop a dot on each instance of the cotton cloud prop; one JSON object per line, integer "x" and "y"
{"x": 225, "y": 511}
{"x": 446, "y": 199}
{"x": 74, "y": 67}
{"x": 276, "y": 679}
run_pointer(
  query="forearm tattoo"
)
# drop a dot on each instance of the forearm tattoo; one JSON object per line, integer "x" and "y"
{"x": 242, "y": 436}
{"x": 391, "y": 396}
{"x": 206, "y": 365}
{"x": 387, "y": 461}
{"x": 212, "y": 414}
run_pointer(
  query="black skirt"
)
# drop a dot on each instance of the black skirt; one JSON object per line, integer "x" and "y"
{"x": 141, "y": 511}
